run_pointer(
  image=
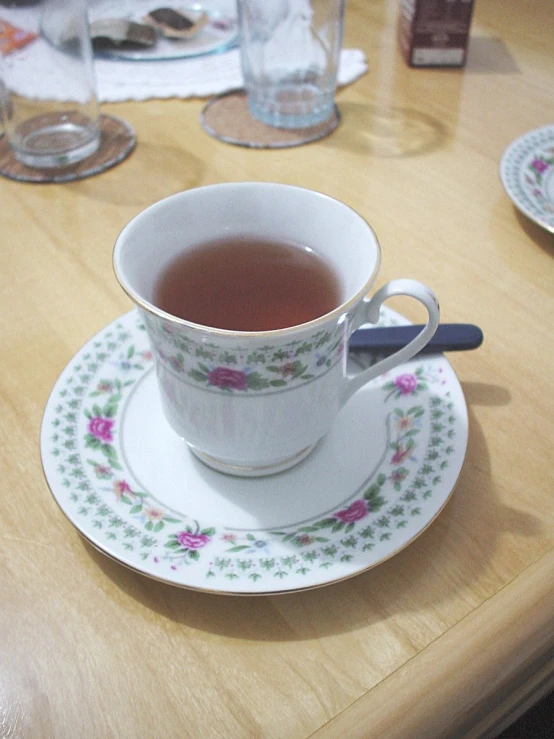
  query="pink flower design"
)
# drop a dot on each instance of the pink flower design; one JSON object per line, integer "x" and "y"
{"x": 225, "y": 377}
{"x": 102, "y": 471}
{"x": 122, "y": 487}
{"x": 152, "y": 514}
{"x": 229, "y": 537}
{"x": 400, "y": 454}
{"x": 288, "y": 369}
{"x": 101, "y": 428}
{"x": 539, "y": 165}
{"x": 192, "y": 541}
{"x": 303, "y": 540}
{"x": 400, "y": 475}
{"x": 177, "y": 363}
{"x": 404, "y": 423}
{"x": 357, "y": 510}
{"x": 406, "y": 383}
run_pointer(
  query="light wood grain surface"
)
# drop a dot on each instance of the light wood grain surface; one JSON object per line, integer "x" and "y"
{"x": 453, "y": 633}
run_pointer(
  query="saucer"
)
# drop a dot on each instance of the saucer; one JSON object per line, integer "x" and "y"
{"x": 219, "y": 34}
{"x": 133, "y": 489}
{"x": 527, "y": 173}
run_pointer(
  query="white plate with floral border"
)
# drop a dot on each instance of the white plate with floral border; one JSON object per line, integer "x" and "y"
{"x": 132, "y": 488}
{"x": 527, "y": 173}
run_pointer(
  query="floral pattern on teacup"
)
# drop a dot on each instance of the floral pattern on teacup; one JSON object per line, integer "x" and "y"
{"x": 240, "y": 369}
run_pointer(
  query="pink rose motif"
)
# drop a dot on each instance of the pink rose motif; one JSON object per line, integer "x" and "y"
{"x": 539, "y": 165}
{"x": 225, "y": 377}
{"x": 192, "y": 541}
{"x": 101, "y": 428}
{"x": 357, "y": 510}
{"x": 406, "y": 383}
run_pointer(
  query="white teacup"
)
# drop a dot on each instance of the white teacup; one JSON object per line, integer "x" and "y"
{"x": 256, "y": 403}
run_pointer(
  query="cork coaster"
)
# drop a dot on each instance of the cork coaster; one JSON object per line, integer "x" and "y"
{"x": 117, "y": 141}
{"x": 227, "y": 118}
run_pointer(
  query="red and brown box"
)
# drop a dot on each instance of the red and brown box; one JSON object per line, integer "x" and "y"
{"x": 434, "y": 33}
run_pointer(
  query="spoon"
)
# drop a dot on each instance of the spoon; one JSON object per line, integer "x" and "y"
{"x": 449, "y": 337}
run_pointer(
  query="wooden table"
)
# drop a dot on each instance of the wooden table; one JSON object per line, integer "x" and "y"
{"x": 451, "y": 637}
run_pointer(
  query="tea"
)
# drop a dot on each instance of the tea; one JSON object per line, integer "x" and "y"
{"x": 247, "y": 284}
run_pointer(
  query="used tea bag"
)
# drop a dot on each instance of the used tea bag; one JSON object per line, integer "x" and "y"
{"x": 118, "y": 32}
{"x": 174, "y": 24}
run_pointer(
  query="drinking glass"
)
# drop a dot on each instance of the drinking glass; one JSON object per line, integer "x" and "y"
{"x": 289, "y": 53}
{"x": 48, "y": 103}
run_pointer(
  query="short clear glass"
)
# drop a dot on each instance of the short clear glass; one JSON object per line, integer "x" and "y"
{"x": 290, "y": 53}
{"x": 48, "y": 101}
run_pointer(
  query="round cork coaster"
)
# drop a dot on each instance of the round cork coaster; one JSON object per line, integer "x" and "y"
{"x": 117, "y": 141}
{"x": 227, "y": 118}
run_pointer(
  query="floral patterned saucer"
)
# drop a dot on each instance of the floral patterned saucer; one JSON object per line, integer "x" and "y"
{"x": 527, "y": 173}
{"x": 135, "y": 491}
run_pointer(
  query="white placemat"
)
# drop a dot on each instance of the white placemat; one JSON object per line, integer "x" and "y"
{"x": 183, "y": 78}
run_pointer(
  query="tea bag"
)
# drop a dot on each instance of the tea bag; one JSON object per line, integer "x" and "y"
{"x": 119, "y": 32}
{"x": 174, "y": 24}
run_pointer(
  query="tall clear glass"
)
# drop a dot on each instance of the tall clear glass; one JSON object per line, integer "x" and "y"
{"x": 48, "y": 98}
{"x": 290, "y": 54}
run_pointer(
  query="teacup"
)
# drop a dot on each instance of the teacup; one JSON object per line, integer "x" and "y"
{"x": 256, "y": 403}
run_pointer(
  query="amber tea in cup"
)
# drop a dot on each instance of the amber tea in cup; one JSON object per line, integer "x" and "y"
{"x": 248, "y": 284}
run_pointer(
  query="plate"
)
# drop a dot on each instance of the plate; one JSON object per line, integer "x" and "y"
{"x": 219, "y": 34}
{"x": 132, "y": 488}
{"x": 527, "y": 173}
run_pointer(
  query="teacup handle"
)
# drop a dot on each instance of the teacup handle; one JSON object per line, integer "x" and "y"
{"x": 369, "y": 313}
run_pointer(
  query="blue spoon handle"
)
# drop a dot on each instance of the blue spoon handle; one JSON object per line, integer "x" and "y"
{"x": 449, "y": 337}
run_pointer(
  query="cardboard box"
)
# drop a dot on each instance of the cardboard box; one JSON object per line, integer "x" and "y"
{"x": 434, "y": 33}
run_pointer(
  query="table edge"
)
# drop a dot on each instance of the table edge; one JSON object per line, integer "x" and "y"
{"x": 494, "y": 661}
